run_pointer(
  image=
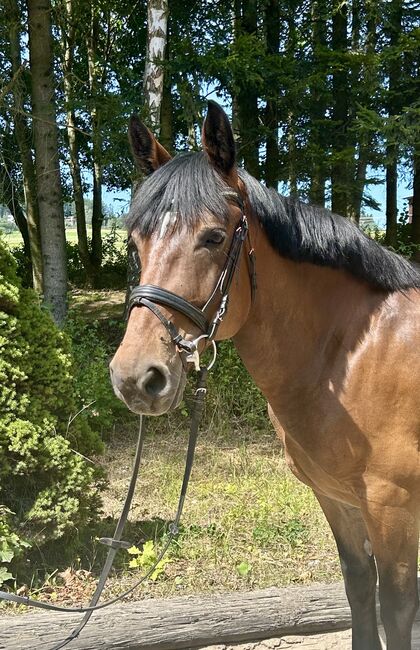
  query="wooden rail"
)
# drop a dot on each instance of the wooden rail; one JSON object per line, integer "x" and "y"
{"x": 186, "y": 622}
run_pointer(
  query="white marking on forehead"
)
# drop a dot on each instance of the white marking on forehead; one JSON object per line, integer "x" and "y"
{"x": 168, "y": 219}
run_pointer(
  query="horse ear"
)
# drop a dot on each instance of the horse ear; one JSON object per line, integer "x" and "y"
{"x": 148, "y": 153}
{"x": 217, "y": 139}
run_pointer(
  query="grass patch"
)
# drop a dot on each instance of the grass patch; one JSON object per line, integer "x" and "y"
{"x": 247, "y": 523}
{"x": 14, "y": 238}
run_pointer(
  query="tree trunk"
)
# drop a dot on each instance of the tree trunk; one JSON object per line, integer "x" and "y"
{"x": 415, "y": 228}
{"x": 158, "y": 104}
{"x": 47, "y": 159}
{"x": 82, "y": 240}
{"x": 157, "y": 25}
{"x": 247, "y": 96}
{"x": 166, "y": 109}
{"x": 394, "y": 30}
{"x": 24, "y": 145}
{"x": 339, "y": 171}
{"x": 368, "y": 86}
{"x": 97, "y": 214}
{"x": 9, "y": 196}
{"x": 317, "y": 139}
{"x": 271, "y": 116}
{"x": 291, "y": 48}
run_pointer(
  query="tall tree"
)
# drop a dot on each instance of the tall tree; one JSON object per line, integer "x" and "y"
{"x": 68, "y": 31}
{"x": 23, "y": 138}
{"x": 318, "y": 104}
{"x": 157, "y": 26}
{"x": 393, "y": 28}
{"x": 364, "y": 91}
{"x": 154, "y": 89}
{"x": 339, "y": 170}
{"x": 271, "y": 113}
{"x": 246, "y": 95}
{"x": 47, "y": 158}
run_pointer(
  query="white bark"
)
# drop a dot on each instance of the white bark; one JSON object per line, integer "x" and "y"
{"x": 157, "y": 26}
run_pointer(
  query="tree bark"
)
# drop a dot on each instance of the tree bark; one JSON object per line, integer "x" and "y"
{"x": 24, "y": 146}
{"x": 271, "y": 113}
{"x": 97, "y": 213}
{"x": 68, "y": 34}
{"x": 157, "y": 25}
{"x": 317, "y": 139}
{"x": 368, "y": 86}
{"x": 392, "y": 150}
{"x": 339, "y": 171}
{"x": 47, "y": 159}
{"x": 166, "y": 108}
{"x": 247, "y": 96}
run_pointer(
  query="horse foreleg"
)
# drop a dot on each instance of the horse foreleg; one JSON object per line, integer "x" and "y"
{"x": 359, "y": 570}
{"x": 394, "y": 535}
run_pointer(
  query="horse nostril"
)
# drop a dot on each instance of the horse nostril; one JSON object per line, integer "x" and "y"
{"x": 154, "y": 382}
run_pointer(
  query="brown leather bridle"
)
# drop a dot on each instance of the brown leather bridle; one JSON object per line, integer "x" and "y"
{"x": 150, "y": 296}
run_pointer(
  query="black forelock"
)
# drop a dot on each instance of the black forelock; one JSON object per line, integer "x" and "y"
{"x": 186, "y": 185}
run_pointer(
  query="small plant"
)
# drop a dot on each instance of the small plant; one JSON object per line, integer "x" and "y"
{"x": 146, "y": 558}
{"x": 11, "y": 545}
{"x": 243, "y": 569}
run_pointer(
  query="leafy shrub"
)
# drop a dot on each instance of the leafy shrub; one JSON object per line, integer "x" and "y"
{"x": 45, "y": 479}
{"x": 91, "y": 355}
{"x": 113, "y": 273}
{"x": 233, "y": 399}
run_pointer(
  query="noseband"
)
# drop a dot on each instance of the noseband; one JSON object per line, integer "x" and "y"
{"x": 149, "y": 295}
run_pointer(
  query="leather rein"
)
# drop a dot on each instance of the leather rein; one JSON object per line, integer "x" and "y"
{"x": 150, "y": 296}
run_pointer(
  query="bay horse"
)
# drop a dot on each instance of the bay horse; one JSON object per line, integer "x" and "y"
{"x": 331, "y": 335}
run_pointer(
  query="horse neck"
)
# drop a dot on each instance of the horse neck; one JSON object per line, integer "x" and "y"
{"x": 304, "y": 321}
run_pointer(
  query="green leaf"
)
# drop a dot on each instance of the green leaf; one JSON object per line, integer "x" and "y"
{"x": 4, "y": 575}
{"x": 243, "y": 569}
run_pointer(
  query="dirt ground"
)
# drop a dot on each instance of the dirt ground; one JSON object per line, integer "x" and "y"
{"x": 332, "y": 641}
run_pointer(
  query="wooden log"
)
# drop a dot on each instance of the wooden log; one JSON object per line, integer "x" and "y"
{"x": 187, "y": 622}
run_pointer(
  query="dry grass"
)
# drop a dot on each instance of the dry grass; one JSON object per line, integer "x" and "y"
{"x": 247, "y": 524}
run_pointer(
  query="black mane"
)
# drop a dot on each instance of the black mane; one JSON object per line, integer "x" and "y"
{"x": 189, "y": 186}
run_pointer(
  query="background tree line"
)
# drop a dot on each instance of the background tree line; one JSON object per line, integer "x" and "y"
{"x": 324, "y": 98}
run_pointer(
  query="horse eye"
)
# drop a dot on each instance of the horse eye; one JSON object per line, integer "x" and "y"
{"x": 213, "y": 238}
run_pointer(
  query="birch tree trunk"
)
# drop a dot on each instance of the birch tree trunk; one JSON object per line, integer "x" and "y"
{"x": 154, "y": 91}
{"x": 47, "y": 160}
{"x": 24, "y": 145}
{"x": 157, "y": 27}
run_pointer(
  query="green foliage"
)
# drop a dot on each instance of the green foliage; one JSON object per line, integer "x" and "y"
{"x": 44, "y": 477}
{"x": 233, "y": 396}
{"x": 91, "y": 355}
{"x": 113, "y": 273}
{"x": 147, "y": 558}
{"x": 11, "y": 545}
{"x": 243, "y": 569}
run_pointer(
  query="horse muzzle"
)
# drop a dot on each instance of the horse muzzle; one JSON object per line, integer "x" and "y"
{"x": 149, "y": 389}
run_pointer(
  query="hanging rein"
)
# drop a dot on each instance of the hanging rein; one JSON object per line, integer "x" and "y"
{"x": 150, "y": 296}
